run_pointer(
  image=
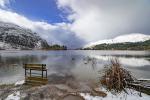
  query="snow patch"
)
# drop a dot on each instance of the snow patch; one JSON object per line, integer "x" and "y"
{"x": 19, "y": 83}
{"x": 132, "y": 95}
{"x": 14, "y": 96}
{"x": 38, "y": 45}
{"x": 4, "y": 45}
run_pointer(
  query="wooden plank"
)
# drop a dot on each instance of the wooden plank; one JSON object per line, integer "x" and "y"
{"x": 36, "y": 82}
{"x": 31, "y": 82}
{"x": 34, "y": 66}
{"x": 36, "y": 78}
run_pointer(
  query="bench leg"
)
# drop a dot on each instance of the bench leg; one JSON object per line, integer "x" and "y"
{"x": 46, "y": 73}
{"x": 30, "y": 72}
{"x": 25, "y": 72}
{"x": 42, "y": 73}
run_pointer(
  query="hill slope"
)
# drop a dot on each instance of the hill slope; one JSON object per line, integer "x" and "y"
{"x": 125, "y": 42}
{"x": 135, "y": 37}
{"x": 15, "y": 37}
{"x": 122, "y": 46}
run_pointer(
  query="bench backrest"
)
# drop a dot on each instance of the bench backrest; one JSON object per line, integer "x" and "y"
{"x": 34, "y": 66}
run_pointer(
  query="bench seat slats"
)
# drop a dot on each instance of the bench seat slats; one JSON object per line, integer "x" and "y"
{"x": 36, "y": 80}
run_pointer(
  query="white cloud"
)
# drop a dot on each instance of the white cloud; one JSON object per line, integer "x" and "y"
{"x": 98, "y": 19}
{"x": 91, "y": 20}
{"x": 58, "y": 33}
{"x": 42, "y": 28}
{"x": 3, "y": 3}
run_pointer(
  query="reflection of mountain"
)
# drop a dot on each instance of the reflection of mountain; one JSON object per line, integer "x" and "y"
{"x": 146, "y": 67}
{"x": 129, "y": 61}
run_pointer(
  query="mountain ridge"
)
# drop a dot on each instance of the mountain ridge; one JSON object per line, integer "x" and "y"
{"x": 16, "y": 37}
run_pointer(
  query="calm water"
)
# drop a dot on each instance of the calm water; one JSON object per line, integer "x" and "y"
{"x": 82, "y": 65}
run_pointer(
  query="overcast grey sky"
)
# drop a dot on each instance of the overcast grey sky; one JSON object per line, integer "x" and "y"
{"x": 87, "y": 20}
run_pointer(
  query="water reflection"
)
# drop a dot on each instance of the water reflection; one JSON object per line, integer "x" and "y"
{"x": 80, "y": 65}
{"x": 11, "y": 66}
{"x": 127, "y": 61}
{"x": 90, "y": 60}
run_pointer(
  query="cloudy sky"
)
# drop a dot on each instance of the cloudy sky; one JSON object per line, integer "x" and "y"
{"x": 77, "y": 22}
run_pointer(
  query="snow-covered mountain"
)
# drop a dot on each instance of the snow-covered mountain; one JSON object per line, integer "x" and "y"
{"x": 135, "y": 37}
{"x": 15, "y": 37}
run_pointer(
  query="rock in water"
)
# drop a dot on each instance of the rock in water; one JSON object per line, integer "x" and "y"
{"x": 16, "y": 37}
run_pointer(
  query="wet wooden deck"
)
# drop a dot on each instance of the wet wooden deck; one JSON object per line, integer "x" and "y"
{"x": 35, "y": 74}
{"x": 141, "y": 85}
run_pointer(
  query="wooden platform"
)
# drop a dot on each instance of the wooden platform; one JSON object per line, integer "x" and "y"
{"x": 39, "y": 77}
{"x": 141, "y": 85}
{"x": 36, "y": 81}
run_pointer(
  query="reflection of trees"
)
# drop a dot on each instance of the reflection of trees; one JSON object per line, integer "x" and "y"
{"x": 90, "y": 60}
{"x": 21, "y": 59}
{"x": 144, "y": 68}
{"x": 129, "y": 56}
{"x": 13, "y": 64}
{"x": 148, "y": 59}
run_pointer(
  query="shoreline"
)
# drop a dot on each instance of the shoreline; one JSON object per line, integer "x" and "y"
{"x": 68, "y": 87}
{"x": 82, "y": 91}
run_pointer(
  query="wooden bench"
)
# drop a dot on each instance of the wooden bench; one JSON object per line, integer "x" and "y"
{"x": 39, "y": 77}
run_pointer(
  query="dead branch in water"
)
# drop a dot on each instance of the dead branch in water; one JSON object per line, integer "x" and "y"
{"x": 115, "y": 77}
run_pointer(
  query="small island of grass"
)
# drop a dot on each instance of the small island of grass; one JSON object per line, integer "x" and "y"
{"x": 55, "y": 47}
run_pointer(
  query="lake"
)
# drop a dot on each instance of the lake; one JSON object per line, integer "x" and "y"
{"x": 81, "y": 64}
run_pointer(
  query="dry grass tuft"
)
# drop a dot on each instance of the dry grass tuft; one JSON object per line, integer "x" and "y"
{"x": 115, "y": 77}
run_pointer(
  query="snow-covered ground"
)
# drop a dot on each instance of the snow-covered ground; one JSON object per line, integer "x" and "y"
{"x": 19, "y": 82}
{"x": 14, "y": 96}
{"x": 132, "y": 95}
{"x": 5, "y": 45}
